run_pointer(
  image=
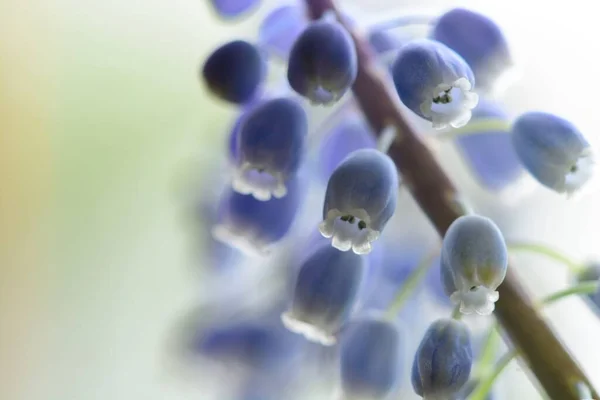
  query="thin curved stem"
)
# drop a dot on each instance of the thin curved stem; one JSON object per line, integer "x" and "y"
{"x": 456, "y": 314}
{"x": 488, "y": 351}
{"x": 478, "y": 126}
{"x": 580, "y": 288}
{"x": 485, "y": 386}
{"x": 546, "y": 251}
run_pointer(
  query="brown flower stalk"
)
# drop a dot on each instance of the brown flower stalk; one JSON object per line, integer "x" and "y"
{"x": 527, "y": 330}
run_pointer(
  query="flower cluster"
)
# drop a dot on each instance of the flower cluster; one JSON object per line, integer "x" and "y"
{"x": 338, "y": 287}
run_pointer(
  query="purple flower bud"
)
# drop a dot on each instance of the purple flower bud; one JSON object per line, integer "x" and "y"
{"x": 359, "y": 200}
{"x": 323, "y": 62}
{"x": 443, "y": 361}
{"x": 253, "y": 226}
{"x": 478, "y": 40}
{"x": 370, "y": 359}
{"x": 553, "y": 151}
{"x": 234, "y": 71}
{"x": 473, "y": 263}
{"x": 325, "y": 294}
{"x": 270, "y": 148}
{"x": 435, "y": 83}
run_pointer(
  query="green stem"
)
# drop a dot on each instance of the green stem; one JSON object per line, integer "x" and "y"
{"x": 581, "y": 288}
{"x": 476, "y": 127}
{"x": 488, "y": 352}
{"x": 456, "y": 314}
{"x": 486, "y": 383}
{"x": 411, "y": 283}
{"x": 538, "y": 248}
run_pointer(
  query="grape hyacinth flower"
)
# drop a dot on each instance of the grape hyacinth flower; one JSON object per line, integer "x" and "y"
{"x": 234, "y": 72}
{"x": 323, "y": 63}
{"x": 270, "y": 147}
{"x": 478, "y": 40}
{"x": 435, "y": 83}
{"x": 243, "y": 113}
{"x": 233, "y": 8}
{"x": 443, "y": 361}
{"x": 359, "y": 200}
{"x": 553, "y": 151}
{"x": 474, "y": 260}
{"x": 325, "y": 294}
{"x": 490, "y": 154}
{"x": 253, "y": 226}
{"x": 369, "y": 359}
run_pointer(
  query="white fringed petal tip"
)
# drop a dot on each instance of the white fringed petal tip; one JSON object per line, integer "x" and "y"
{"x": 311, "y": 332}
{"x": 582, "y": 172}
{"x": 262, "y": 184}
{"x": 480, "y": 300}
{"x": 240, "y": 240}
{"x": 346, "y": 234}
{"x": 457, "y": 111}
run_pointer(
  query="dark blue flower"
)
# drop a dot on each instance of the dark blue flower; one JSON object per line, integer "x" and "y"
{"x": 478, "y": 40}
{"x": 443, "y": 361}
{"x": 490, "y": 154}
{"x": 553, "y": 151}
{"x": 435, "y": 83}
{"x": 253, "y": 225}
{"x": 270, "y": 147}
{"x": 323, "y": 62}
{"x": 474, "y": 261}
{"x": 325, "y": 294}
{"x": 234, "y": 71}
{"x": 370, "y": 358}
{"x": 360, "y": 199}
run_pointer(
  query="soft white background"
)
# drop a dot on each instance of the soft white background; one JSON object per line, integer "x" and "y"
{"x": 128, "y": 115}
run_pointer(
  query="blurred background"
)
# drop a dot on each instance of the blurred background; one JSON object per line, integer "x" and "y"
{"x": 103, "y": 123}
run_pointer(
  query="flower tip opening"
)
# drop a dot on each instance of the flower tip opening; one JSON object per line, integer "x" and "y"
{"x": 261, "y": 184}
{"x": 348, "y": 232}
{"x": 582, "y": 172}
{"x": 239, "y": 240}
{"x": 450, "y": 104}
{"x": 478, "y": 299}
{"x": 311, "y": 332}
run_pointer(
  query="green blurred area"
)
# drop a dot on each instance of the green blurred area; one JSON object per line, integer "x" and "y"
{"x": 126, "y": 126}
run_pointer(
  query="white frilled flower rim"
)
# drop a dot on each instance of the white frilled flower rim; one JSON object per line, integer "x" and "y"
{"x": 311, "y": 332}
{"x": 477, "y": 299}
{"x": 579, "y": 173}
{"x": 349, "y": 230}
{"x": 259, "y": 182}
{"x": 450, "y": 104}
